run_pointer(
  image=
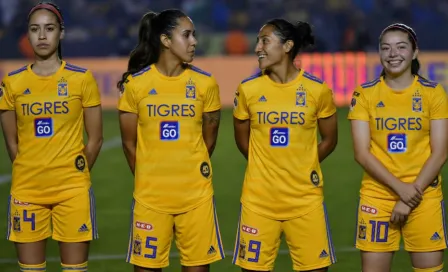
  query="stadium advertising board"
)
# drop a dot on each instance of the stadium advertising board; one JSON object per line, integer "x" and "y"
{"x": 341, "y": 71}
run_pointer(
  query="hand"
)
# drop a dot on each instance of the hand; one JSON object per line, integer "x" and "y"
{"x": 400, "y": 213}
{"x": 410, "y": 194}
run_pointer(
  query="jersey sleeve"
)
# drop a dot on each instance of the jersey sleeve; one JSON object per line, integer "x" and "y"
{"x": 90, "y": 94}
{"x": 326, "y": 106}
{"x": 439, "y": 104}
{"x": 127, "y": 101}
{"x": 6, "y": 98}
{"x": 358, "y": 107}
{"x": 240, "y": 108}
{"x": 212, "y": 100}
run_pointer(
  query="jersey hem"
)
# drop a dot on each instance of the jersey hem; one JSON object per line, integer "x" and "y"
{"x": 359, "y": 119}
{"x": 49, "y": 201}
{"x": 326, "y": 115}
{"x": 438, "y": 118}
{"x": 307, "y": 211}
{"x": 92, "y": 105}
{"x": 213, "y": 109}
{"x": 240, "y": 117}
{"x": 7, "y": 109}
{"x": 128, "y": 110}
{"x": 163, "y": 211}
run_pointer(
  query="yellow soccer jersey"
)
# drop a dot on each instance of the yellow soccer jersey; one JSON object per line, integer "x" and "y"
{"x": 173, "y": 172}
{"x": 400, "y": 129}
{"x": 50, "y": 165}
{"x": 283, "y": 178}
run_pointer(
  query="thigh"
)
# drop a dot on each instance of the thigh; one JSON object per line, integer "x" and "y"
{"x": 425, "y": 229}
{"x": 257, "y": 241}
{"x": 27, "y": 222}
{"x": 376, "y": 261}
{"x": 74, "y": 220}
{"x": 374, "y": 232}
{"x": 309, "y": 240}
{"x": 150, "y": 237}
{"x": 198, "y": 237}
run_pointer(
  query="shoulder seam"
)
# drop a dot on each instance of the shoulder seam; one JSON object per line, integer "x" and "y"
{"x": 427, "y": 83}
{"x": 252, "y": 77}
{"x": 313, "y": 78}
{"x": 18, "y": 71}
{"x": 142, "y": 71}
{"x": 200, "y": 71}
{"x": 370, "y": 83}
{"x": 74, "y": 68}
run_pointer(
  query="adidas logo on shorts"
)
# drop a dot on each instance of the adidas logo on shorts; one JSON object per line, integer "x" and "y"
{"x": 211, "y": 251}
{"x": 83, "y": 228}
{"x": 323, "y": 254}
{"x": 436, "y": 237}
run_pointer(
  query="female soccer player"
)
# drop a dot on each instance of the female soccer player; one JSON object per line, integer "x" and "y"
{"x": 44, "y": 108}
{"x": 400, "y": 134}
{"x": 169, "y": 120}
{"x": 276, "y": 117}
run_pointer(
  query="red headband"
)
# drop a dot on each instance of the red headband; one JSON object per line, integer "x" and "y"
{"x": 48, "y": 7}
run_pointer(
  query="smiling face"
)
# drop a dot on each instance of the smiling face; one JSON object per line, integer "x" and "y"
{"x": 270, "y": 49}
{"x": 44, "y": 33}
{"x": 397, "y": 50}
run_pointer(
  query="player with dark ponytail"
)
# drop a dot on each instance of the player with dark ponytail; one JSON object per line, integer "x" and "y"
{"x": 169, "y": 113}
{"x": 277, "y": 115}
{"x": 45, "y": 108}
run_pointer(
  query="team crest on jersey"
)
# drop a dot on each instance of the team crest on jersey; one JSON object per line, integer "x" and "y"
{"x": 362, "y": 230}
{"x": 205, "y": 169}
{"x": 417, "y": 102}
{"x": 242, "y": 250}
{"x": 314, "y": 177}
{"x": 190, "y": 90}
{"x": 62, "y": 87}
{"x": 137, "y": 246}
{"x": 16, "y": 222}
{"x": 301, "y": 96}
{"x": 80, "y": 163}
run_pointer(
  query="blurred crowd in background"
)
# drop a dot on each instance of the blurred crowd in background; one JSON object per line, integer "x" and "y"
{"x": 109, "y": 28}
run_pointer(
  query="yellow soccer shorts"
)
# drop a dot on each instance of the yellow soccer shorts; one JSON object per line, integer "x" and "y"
{"x": 72, "y": 220}
{"x": 308, "y": 238}
{"x": 424, "y": 230}
{"x": 196, "y": 234}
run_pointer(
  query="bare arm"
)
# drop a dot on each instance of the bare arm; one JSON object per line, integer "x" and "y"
{"x": 9, "y": 127}
{"x": 241, "y": 134}
{"x": 128, "y": 129}
{"x": 439, "y": 145}
{"x": 210, "y": 127}
{"x": 361, "y": 141}
{"x": 328, "y": 130}
{"x": 93, "y": 123}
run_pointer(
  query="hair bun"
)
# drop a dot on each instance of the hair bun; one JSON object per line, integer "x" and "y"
{"x": 305, "y": 34}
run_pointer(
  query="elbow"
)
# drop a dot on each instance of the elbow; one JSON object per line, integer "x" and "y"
{"x": 360, "y": 157}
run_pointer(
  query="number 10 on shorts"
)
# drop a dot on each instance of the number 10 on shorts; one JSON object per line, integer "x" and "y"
{"x": 279, "y": 137}
{"x": 169, "y": 130}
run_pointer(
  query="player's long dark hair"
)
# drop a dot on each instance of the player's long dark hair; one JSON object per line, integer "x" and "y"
{"x": 300, "y": 33}
{"x": 53, "y": 8}
{"x": 412, "y": 36}
{"x": 147, "y": 51}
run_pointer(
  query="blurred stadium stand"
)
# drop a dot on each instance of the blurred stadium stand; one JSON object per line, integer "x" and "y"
{"x": 108, "y": 28}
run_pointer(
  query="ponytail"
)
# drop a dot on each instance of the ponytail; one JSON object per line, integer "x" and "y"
{"x": 147, "y": 50}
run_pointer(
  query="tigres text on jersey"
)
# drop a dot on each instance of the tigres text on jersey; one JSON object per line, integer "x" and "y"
{"x": 283, "y": 177}
{"x": 399, "y": 129}
{"x": 173, "y": 172}
{"x": 50, "y": 165}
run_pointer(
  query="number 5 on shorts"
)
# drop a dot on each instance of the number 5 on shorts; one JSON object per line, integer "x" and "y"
{"x": 153, "y": 247}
